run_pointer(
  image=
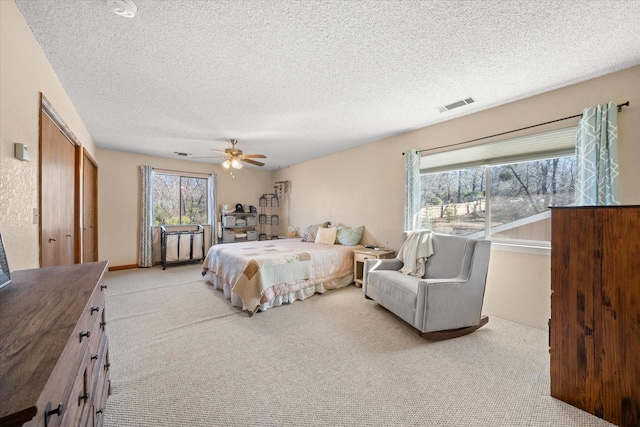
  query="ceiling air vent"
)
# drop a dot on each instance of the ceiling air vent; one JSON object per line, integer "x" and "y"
{"x": 177, "y": 153}
{"x": 456, "y": 104}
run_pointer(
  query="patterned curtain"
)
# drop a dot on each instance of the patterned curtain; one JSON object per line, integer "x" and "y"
{"x": 213, "y": 180}
{"x": 412, "y": 190}
{"x": 145, "y": 256}
{"x": 597, "y": 156}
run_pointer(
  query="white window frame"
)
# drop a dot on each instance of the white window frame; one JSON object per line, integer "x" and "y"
{"x": 187, "y": 175}
{"x": 540, "y": 146}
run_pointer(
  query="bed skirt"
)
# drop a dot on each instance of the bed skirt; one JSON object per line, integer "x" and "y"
{"x": 283, "y": 293}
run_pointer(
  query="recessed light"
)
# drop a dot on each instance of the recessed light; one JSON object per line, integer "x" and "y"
{"x": 124, "y": 8}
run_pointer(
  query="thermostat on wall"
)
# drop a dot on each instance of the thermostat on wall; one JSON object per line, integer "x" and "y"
{"x": 22, "y": 152}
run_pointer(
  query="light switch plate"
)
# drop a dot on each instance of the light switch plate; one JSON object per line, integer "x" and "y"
{"x": 22, "y": 152}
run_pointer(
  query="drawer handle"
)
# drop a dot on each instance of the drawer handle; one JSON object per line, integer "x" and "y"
{"x": 94, "y": 309}
{"x": 48, "y": 412}
{"x": 106, "y": 366}
{"x": 82, "y": 397}
{"x": 103, "y": 324}
{"x": 94, "y": 357}
{"x": 84, "y": 334}
{"x": 103, "y": 286}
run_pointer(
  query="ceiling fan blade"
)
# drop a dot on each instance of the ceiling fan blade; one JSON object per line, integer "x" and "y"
{"x": 208, "y": 157}
{"x": 254, "y": 156}
{"x": 218, "y": 151}
{"x": 253, "y": 162}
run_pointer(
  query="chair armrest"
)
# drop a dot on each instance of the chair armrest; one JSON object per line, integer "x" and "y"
{"x": 448, "y": 304}
{"x": 378, "y": 264}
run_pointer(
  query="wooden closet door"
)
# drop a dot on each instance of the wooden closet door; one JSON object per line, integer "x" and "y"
{"x": 57, "y": 196}
{"x": 90, "y": 209}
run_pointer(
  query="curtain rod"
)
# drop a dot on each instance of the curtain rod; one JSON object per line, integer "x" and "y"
{"x": 626, "y": 104}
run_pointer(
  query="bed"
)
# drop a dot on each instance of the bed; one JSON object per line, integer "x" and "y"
{"x": 259, "y": 275}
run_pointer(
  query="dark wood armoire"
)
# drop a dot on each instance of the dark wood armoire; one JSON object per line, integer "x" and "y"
{"x": 595, "y": 310}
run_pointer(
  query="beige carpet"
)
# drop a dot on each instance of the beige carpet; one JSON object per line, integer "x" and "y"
{"x": 181, "y": 355}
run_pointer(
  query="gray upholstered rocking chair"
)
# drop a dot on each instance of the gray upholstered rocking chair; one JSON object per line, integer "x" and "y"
{"x": 446, "y": 302}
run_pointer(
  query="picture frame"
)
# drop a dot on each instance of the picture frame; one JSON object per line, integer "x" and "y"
{"x": 5, "y": 274}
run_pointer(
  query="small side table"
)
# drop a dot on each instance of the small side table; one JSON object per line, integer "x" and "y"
{"x": 361, "y": 254}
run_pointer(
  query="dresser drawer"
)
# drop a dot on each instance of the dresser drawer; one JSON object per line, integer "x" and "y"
{"x": 98, "y": 361}
{"x": 102, "y": 384}
{"x": 58, "y": 390}
{"x": 361, "y": 257}
{"x": 79, "y": 402}
{"x": 97, "y": 330}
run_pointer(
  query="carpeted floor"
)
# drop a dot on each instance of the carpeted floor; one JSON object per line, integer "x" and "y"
{"x": 181, "y": 355}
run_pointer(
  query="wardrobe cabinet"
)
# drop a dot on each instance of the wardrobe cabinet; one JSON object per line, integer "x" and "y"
{"x": 595, "y": 310}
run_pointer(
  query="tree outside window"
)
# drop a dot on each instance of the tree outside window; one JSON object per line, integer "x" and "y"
{"x": 179, "y": 200}
{"x": 520, "y": 194}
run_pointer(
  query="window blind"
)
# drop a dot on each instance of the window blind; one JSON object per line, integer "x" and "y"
{"x": 543, "y": 145}
{"x": 181, "y": 173}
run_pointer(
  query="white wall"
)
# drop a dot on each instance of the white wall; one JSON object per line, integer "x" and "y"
{"x": 364, "y": 185}
{"x": 24, "y": 73}
{"x": 119, "y": 189}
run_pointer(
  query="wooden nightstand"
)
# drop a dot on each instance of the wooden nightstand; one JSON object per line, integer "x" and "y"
{"x": 361, "y": 254}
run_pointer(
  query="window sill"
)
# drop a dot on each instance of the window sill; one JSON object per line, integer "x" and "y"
{"x": 521, "y": 248}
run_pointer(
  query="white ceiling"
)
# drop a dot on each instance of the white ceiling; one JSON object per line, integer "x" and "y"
{"x": 296, "y": 80}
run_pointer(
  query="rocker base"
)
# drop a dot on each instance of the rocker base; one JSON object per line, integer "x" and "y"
{"x": 454, "y": 333}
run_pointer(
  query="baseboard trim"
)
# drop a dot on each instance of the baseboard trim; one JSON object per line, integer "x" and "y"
{"x": 123, "y": 267}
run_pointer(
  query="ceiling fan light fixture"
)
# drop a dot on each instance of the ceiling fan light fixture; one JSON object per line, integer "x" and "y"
{"x": 226, "y": 164}
{"x": 236, "y": 164}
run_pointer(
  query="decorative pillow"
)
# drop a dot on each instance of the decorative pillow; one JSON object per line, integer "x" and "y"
{"x": 309, "y": 233}
{"x": 326, "y": 236}
{"x": 349, "y": 236}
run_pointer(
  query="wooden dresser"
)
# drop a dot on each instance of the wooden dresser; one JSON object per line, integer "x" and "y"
{"x": 595, "y": 310}
{"x": 54, "y": 357}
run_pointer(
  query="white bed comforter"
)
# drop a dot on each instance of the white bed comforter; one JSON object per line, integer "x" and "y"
{"x": 258, "y": 272}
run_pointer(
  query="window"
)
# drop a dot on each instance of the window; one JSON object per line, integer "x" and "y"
{"x": 501, "y": 190}
{"x": 179, "y": 199}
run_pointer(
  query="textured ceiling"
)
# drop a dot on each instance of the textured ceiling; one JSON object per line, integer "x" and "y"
{"x": 296, "y": 80}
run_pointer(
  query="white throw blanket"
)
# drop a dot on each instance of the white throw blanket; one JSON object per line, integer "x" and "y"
{"x": 414, "y": 252}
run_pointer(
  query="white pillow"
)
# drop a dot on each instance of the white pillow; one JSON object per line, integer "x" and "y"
{"x": 326, "y": 236}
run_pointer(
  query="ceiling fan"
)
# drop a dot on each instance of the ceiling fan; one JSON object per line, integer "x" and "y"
{"x": 235, "y": 157}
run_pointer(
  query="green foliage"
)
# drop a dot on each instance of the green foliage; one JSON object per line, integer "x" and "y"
{"x": 505, "y": 175}
{"x": 179, "y": 200}
{"x": 450, "y": 213}
{"x": 472, "y": 196}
